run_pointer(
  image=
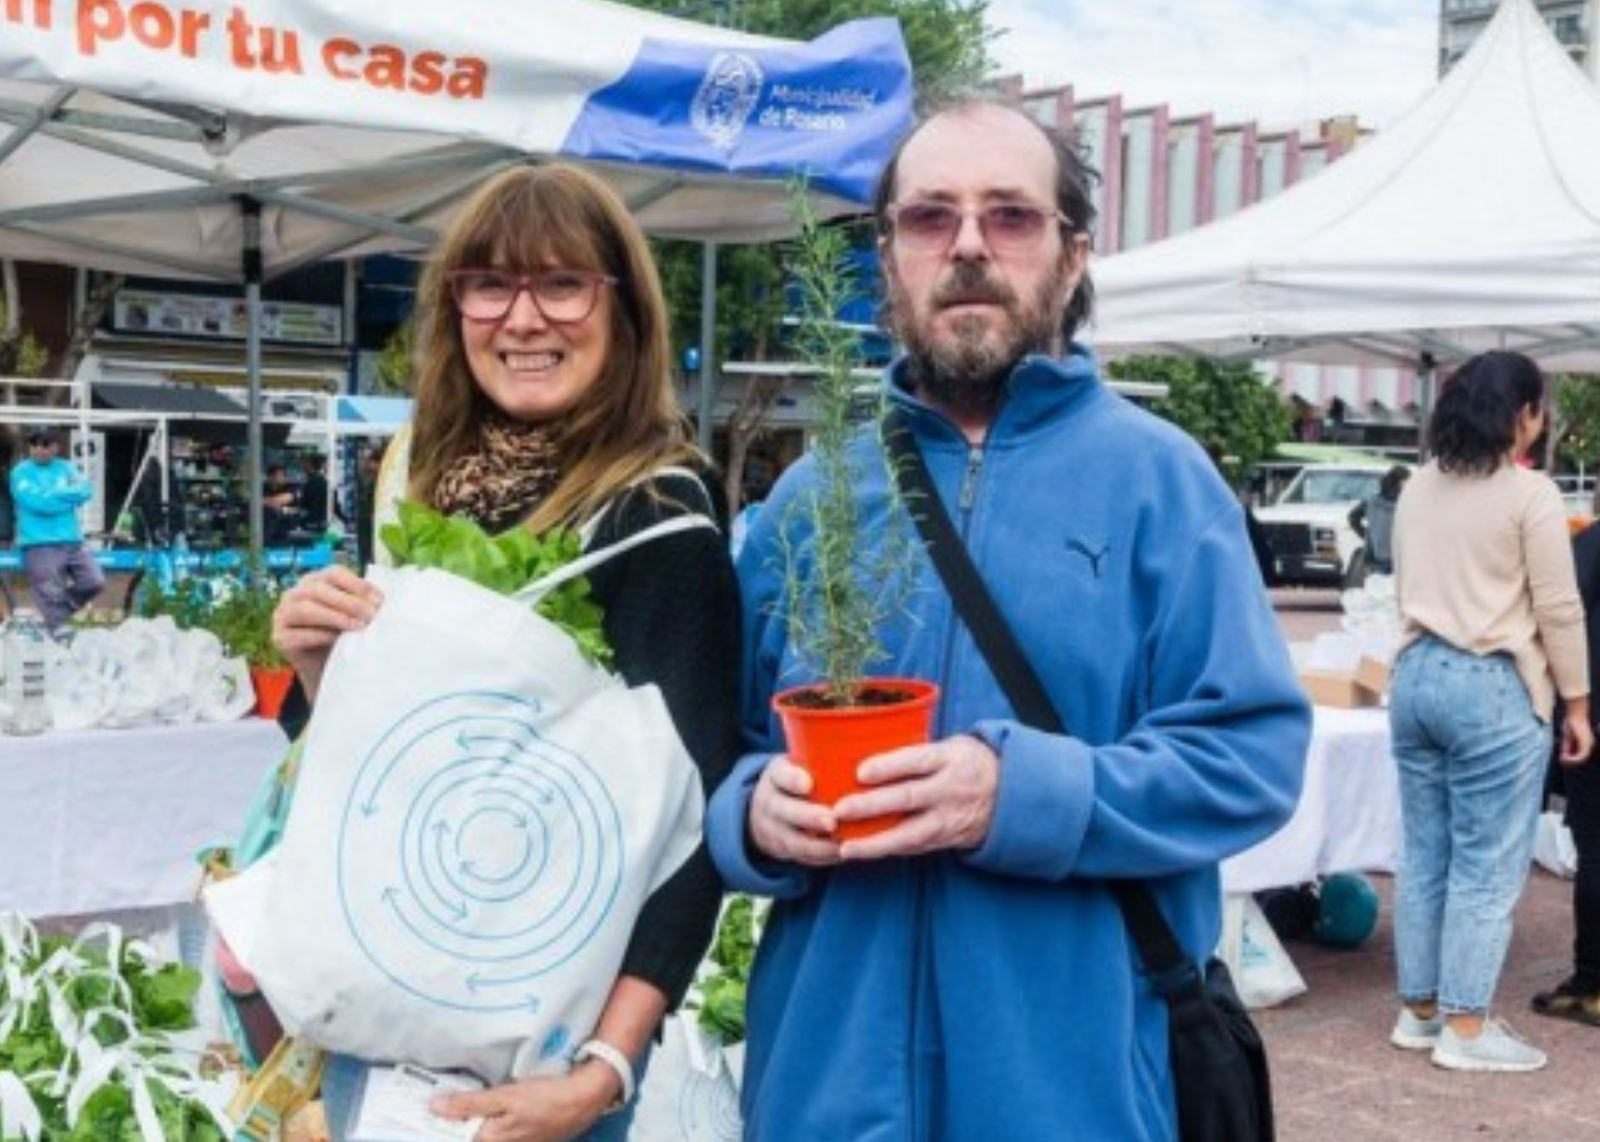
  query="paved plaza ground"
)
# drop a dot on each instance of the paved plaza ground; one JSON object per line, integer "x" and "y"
{"x": 1337, "y": 1078}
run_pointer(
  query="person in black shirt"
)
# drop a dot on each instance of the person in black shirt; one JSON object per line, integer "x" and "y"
{"x": 312, "y": 497}
{"x": 1578, "y": 996}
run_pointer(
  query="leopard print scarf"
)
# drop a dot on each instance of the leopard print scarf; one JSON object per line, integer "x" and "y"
{"x": 504, "y": 480}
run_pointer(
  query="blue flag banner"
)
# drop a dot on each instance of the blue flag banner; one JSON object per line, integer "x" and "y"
{"x": 831, "y": 109}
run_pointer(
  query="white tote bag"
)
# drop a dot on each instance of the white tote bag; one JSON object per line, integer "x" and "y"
{"x": 1262, "y": 970}
{"x": 689, "y": 1092}
{"x": 480, "y": 815}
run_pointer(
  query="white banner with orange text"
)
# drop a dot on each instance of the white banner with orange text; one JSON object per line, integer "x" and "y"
{"x": 579, "y": 78}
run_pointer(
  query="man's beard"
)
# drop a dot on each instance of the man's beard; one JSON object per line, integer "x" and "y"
{"x": 966, "y": 372}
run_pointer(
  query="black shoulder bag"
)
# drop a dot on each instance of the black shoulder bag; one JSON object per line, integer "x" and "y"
{"x": 1219, "y": 1066}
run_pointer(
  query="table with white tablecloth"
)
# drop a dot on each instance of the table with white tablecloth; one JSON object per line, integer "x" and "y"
{"x": 108, "y": 820}
{"x": 1348, "y": 819}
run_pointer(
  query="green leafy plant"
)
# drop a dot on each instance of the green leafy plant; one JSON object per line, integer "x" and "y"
{"x": 721, "y": 989}
{"x": 90, "y": 1017}
{"x": 504, "y": 563}
{"x": 237, "y": 608}
{"x": 842, "y": 585}
{"x": 241, "y": 617}
{"x": 186, "y": 601}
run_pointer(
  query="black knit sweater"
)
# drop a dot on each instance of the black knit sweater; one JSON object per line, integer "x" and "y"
{"x": 672, "y": 619}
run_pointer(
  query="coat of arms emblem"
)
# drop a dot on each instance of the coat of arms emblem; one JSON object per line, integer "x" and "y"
{"x": 726, "y": 97}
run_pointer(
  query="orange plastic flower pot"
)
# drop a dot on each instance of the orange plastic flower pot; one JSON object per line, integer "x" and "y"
{"x": 831, "y": 743}
{"x": 272, "y": 687}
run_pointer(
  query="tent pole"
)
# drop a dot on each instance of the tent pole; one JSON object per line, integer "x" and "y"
{"x": 163, "y": 525}
{"x": 1427, "y": 377}
{"x": 250, "y": 216}
{"x": 707, "y": 394}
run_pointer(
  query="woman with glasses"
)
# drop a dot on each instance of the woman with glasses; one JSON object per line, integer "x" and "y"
{"x": 543, "y": 400}
{"x": 1493, "y": 632}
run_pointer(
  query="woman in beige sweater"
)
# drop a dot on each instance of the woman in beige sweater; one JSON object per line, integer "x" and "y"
{"x": 1493, "y": 631}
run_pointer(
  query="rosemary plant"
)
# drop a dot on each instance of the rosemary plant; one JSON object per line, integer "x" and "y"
{"x": 845, "y": 584}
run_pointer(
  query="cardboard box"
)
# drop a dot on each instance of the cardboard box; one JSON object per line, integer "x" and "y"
{"x": 1336, "y": 688}
{"x": 1373, "y": 673}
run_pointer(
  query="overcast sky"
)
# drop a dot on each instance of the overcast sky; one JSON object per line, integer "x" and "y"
{"x": 1277, "y": 61}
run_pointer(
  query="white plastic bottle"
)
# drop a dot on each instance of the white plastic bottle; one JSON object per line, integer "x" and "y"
{"x": 27, "y": 648}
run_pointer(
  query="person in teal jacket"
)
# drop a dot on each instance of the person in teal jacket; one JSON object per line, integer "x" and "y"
{"x": 47, "y": 492}
{"x": 965, "y": 976}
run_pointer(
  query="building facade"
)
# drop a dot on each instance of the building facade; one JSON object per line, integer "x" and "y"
{"x": 1576, "y": 24}
{"x": 1164, "y": 173}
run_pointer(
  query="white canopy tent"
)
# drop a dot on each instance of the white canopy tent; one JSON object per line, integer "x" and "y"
{"x": 1471, "y": 223}
{"x": 232, "y": 140}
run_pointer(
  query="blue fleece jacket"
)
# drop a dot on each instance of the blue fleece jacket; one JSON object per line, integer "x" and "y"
{"x": 992, "y": 995}
{"x": 47, "y": 497}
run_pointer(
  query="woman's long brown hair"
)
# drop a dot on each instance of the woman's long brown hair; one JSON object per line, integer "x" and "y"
{"x": 629, "y": 422}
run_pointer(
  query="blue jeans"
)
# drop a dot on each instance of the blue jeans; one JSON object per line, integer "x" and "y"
{"x": 1471, "y": 752}
{"x": 346, "y": 1076}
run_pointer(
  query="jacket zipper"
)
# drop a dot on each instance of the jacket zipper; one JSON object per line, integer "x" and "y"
{"x": 966, "y": 498}
{"x": 920, "y": 1124}
{"x": 969, "y": 484}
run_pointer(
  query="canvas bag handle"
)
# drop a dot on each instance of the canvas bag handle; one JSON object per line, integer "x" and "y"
{"x": 539, "y": 588}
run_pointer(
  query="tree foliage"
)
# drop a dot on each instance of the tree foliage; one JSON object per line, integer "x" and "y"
{"x": 1231, "y": 408}
{"x": 1576, "y": 427}
{"x": 392, "y": 374}
{"x": 21, "y": 354}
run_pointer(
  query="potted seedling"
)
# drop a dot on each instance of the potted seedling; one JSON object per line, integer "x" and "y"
{"x": 842, "y": 585}
{"x": 241, "y": 618}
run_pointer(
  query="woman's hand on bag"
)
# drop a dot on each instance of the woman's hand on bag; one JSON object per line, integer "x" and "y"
{"x": 314, "y": 613}
{"x": 785, "y": 823}
{"x": 550, "y": 1108}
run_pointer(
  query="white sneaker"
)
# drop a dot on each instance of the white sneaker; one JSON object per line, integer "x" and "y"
{"x": 1496, "y": 1048}
{"x": 1414, "y": 1033}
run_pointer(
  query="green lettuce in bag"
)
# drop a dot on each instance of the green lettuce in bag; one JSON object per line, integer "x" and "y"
{"x": 504, "y": 563}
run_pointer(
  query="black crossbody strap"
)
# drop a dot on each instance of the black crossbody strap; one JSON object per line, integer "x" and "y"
{"x": 967, "y": 589}
{"x": 1164, "y": 960}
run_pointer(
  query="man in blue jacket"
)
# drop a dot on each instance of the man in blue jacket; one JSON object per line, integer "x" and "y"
{"x": 965, "y": 976}
{"x": 47, "y": 492}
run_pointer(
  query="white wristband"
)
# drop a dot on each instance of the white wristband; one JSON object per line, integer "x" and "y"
{"x": 616, "y": 1060}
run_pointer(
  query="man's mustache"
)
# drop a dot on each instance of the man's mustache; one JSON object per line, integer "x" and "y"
{"x": 970, "y": 284}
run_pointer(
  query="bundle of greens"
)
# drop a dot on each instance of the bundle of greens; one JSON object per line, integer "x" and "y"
{"x": 503, "y": 563}
{"x": 84, "y": 1054}
{"x": 726, "y": 974}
